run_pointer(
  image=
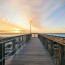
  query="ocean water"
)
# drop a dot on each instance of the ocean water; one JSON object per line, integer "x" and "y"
{"x": 56, "y": 34}
{"x": 16, "y": 34}
{"x": 10, "y": 34}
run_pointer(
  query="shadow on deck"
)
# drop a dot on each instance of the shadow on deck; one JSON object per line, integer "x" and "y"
{"x": 32, "y": 53}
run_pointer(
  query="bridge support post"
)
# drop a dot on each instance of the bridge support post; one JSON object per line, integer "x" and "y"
{"x": 2, "y": 53}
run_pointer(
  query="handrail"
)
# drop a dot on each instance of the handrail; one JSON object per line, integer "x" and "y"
{"x": 55, "y": 46}
{"x": 57, "y": 39}
{"x": 16, "y": 42}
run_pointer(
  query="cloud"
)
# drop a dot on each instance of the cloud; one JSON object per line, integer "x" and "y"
{"x": 21, "y": 12}
{"x": 5, "y": 25}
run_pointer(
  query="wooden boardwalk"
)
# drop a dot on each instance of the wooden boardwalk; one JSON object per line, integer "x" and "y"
{"x": 33, "y": 53}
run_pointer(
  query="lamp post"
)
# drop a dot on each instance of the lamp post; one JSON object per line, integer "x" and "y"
{"x": 30, "y": 27}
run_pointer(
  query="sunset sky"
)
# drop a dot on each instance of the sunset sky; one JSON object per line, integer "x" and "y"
{"x": 47, "y": 16}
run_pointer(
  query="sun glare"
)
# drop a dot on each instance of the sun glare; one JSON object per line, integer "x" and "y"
{"x": 16, "y": 31}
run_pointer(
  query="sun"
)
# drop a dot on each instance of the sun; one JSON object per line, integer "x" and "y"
{"x": 17, "y": 31}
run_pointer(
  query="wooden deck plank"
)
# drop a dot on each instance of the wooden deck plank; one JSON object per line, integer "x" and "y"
{"x": 33, "y": 53}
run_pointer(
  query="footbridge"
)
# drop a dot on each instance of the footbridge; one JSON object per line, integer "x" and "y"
{"x": 32, "y": 49}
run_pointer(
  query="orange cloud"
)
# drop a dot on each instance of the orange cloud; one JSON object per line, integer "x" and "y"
{"x": 8, "y": 27}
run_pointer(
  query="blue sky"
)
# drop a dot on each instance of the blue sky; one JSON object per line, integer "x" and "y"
{"x": 46, "y": 15}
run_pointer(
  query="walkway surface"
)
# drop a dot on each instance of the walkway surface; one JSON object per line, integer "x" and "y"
{"x": 33, "y": 53}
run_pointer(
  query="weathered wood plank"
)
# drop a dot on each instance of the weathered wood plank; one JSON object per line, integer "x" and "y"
{"x": 33, "y": 53}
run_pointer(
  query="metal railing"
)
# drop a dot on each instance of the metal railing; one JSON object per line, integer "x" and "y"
{"x": 55, "y": 46}
{"x": 9, "y": 46}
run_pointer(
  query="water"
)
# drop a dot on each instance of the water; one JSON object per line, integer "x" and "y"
{"x": 15, "y": 34}
{"x": 10, "y": 34}
{"x": 56, "y": 34}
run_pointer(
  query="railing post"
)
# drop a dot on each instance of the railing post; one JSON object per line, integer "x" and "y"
{"x": 51, "y": 47}
{"x": 22, "y": 38}
{"x": 63, "y": 55}
{"x": 46, "y": 44}
{"x": 26, "y": 38}
{"x": 20, "y": 42}
{"x": 57, "y": 53}
{"x": 14, "y": 43}
{"x": 2, "y": 53}
{"x": 60, "y": 55}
